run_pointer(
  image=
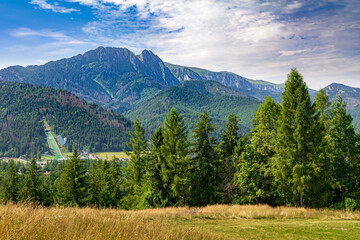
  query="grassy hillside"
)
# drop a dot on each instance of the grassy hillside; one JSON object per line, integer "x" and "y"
{"x": 192, "y": 97}
{"x": 22, "y": 106}
{"x": 212, "y": 222}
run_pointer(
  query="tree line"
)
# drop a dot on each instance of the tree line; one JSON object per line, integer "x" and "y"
{"x": 299, "y": 153}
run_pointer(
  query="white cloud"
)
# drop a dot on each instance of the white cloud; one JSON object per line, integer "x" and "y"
{"x": 43, "y": 4}
{"x": 294, "y": 52}
{"x": 257, "y": 40}
{"x": 27, "y": 32}
{"x": 293, "y": 6}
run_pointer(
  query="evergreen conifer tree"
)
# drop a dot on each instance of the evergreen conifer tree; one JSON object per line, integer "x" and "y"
{"x": 297, "y": 141}
{"x": 137, "y": 156}
{"x": 71, "y": 186}
{"x": 205, "y": 164}
{"x": 254, "y": 174}
{"x": 227, "y": 147}
{"x": 32, "y": 184}
{"x": 176, "y": 149}
{"x": 344, "y": 162}
{"x": 10, "y": 184}
{"x": 158, "y": 192}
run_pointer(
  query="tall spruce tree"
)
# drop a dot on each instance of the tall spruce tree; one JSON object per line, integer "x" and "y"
{"x": 254, "y": 174}
{"x": 71, "y": 189}
{"x": 344, "y": 162}
{"x": 137, "y": 156}
{"x": 94, "y": 185}
{"x": 32, "y": 184}
{"x": 114, "y": 184}
{"x": 205, "y": 163}
{"x": 297, "y": 141}
{"x": 175, "y": 148}
{"x": 158, "y": 191}
{"x": 10, "y": 184}
{"x": 230, "y": 139}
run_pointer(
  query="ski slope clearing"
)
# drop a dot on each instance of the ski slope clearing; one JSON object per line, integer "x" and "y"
{"x": 54, "y": 147}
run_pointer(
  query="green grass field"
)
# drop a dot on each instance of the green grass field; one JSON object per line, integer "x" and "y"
{"x": 211, "y": 222}
{"x": 53, "y": 146}
{"x": 109, "y": 155}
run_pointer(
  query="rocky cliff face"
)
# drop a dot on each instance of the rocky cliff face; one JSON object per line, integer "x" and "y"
{"x": 156, "y": 68}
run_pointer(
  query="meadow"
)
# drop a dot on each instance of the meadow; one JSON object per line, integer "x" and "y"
{"x": 21, "y": 221}
{"x": 110, "y": 155}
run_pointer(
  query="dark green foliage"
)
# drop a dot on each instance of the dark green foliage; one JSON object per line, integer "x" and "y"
{"x": 254, "y": 174}
{"x": 297, "y": 141}
{"x": 32, "y": 184}
{"x": 137, "y": 167}
{"x": 104, "y": 184}
{"x": 344, "y": 161}
{"x": 227, "y": 147}
{"x": 205, "y": 162}
{"x": 175, "y": 148}
{"x": 85, "y": 124}
{"x": 72, "y": 182}
{"x": 158, "y": 192}
{"x": 137, "y": 159}
{"x": 10, "y": 184}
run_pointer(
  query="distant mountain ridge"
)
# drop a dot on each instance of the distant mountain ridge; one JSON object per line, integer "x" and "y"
{"x": 255, "y": 88}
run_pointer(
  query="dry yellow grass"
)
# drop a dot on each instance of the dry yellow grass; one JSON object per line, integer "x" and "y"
{"x": 19, "y": 221}
{"x": 253, "y": 212}
{"x": 30, "y": 222}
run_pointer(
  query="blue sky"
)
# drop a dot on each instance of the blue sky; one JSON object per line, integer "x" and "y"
{"x": 258, "y": 39}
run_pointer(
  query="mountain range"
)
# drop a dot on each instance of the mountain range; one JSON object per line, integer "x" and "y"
{"x": 143, "y": 86}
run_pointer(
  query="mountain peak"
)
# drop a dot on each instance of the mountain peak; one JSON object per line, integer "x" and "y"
{"x": 147, "y": 55}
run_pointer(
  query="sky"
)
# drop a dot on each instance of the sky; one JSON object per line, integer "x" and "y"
{"x": 257, "y": 39}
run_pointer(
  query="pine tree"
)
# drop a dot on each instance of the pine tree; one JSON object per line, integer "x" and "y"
{"x": 254, "y": 175}
{"x": 344, "y": 162}
{"x": 114, "y": 184}
{"x": 137, "y": 156}
{"x": 71, "y": 186}
{"x": 176, "y": 150}
{"x": 205, "y": 164}
{"x": 10, "y": 184}
{"x": 94, "y": 185}
{"x": 297, "y": 140}
{"x": 227, "y": 147}
{"x": 158, "y": 192}
{"x": 46, "y": 190}
{"x": 32, "y": 185}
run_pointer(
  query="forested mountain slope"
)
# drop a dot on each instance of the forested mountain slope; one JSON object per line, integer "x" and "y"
{"x": 192, "y": 97}
{"x": 22, "y": 106}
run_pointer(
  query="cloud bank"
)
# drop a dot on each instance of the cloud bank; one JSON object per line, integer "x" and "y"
{"x": 256, "y": 39}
